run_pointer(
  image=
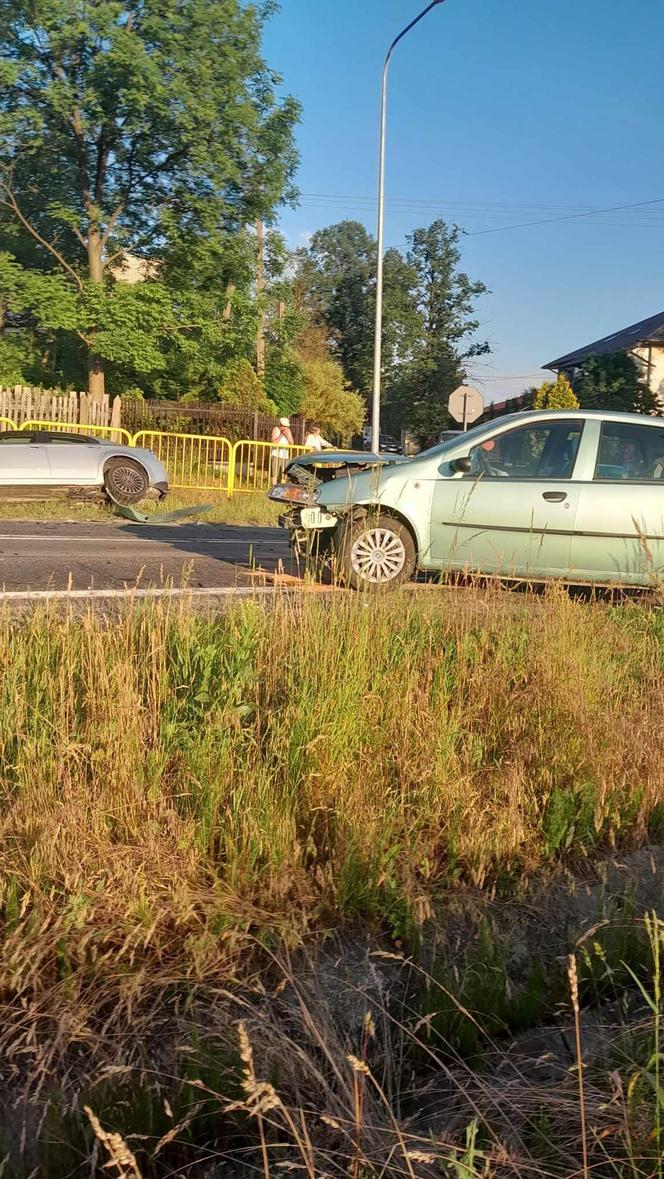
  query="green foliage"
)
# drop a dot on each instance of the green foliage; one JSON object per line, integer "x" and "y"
{"x": 557, "y": 394}
{"x": 17, "y": 357}
{"x": 328, "y": 400}
{"x": 614, "y": 382}
{"x": 284, "y": 381}
{"x": 242, "y": 387}
{"x": 142, "y": 126}
{"x": 49, "y": 298}
{"x": 148, "y": 333}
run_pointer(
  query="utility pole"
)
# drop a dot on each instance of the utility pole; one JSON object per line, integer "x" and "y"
{"x": 378, "y": 329}
{"x": 260, "y": 291}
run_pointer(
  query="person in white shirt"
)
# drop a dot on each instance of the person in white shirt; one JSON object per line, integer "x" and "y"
{"x": 282, "y": 440}
{"x": 315, "y": 441}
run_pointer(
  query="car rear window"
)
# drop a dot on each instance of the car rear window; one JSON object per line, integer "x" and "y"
{"x": 631, "y": 452}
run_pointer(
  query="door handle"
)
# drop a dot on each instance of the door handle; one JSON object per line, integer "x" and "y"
{"x": 554, "y": 497}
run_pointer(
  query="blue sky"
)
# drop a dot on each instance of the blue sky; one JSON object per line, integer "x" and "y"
{"x": 500, "y": 111}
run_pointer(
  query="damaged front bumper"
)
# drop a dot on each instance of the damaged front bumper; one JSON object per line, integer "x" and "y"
{"x": 311, "y": 526}
{"x": 304, "y": 512}
{"x": 310, "y": 529}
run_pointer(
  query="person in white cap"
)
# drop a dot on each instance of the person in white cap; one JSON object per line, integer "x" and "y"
{"x": 282, "y": 439}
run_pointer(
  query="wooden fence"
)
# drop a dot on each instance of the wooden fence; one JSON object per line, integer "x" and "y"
{"x": 218, "y": 420}
{"x": 23, "y": 404}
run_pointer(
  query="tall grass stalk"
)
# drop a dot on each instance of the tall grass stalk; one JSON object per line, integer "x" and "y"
{"x": 574, "y": 994}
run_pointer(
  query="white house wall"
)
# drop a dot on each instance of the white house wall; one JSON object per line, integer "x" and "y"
{"x": 656, "y": 356}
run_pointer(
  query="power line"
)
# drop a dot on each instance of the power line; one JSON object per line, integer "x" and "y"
{"x": 437, "y": 201}
{"x": 567, "y": 217}
{"x": 490, "y": 210}
{"x": 507, "y": 377}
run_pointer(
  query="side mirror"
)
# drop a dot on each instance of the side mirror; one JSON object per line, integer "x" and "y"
{"x": 464, "y": 463}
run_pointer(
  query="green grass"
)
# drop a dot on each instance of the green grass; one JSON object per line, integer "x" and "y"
{"x": 244, "y": 508}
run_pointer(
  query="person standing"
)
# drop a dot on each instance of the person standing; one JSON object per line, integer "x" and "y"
{"x": 282, "y": 439}
{"x": 315, "y": 441}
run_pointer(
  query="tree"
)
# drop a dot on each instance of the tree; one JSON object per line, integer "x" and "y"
{"x": 133, "y": 125}
{"x": 445, "y": 298}
{"x": 337, "y": 276}
{"x": 243, "y": 387}
{"x": 557, "y": 394}
{"x": 427, "y": 315}
{"x": 614, "y": 382}
{"x": 328, "y": 400}
{"x": 284, "y": 382}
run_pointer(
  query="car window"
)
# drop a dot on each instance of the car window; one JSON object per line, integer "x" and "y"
{"x": 544, "y": 450}
{"x": 67, "y": 439}
{"x": 16, "y": 439}
{"x": 630, "y": 452}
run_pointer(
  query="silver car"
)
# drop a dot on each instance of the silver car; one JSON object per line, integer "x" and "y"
{"x": 576, "y": 495}
{"x": 36, "y": 462}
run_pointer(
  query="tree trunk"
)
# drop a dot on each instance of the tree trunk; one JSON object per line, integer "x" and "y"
{"x": 260, "y": 291}
{"x": 96, "y": 383}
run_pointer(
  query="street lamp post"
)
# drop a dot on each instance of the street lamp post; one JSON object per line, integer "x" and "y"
{"x": 375, "y": 407}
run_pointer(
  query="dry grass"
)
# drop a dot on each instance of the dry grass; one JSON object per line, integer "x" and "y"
{"x": 275, "y": 770}
{"x": 181, "y": 795}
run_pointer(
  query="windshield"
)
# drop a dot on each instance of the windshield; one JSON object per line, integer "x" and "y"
{"x": 475, "y": 432}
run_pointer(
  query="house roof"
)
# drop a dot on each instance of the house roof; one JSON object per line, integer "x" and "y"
{"x": 646, "y": 331}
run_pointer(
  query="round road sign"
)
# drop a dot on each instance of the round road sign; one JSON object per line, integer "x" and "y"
{"x": 466, "y": 404}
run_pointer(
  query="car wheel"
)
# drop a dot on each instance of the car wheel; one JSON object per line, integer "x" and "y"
{"x": 125, "y": 481}
{"x": 376, "y": 553}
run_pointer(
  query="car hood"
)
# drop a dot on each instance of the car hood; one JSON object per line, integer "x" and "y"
{"x": 320, "y": 466}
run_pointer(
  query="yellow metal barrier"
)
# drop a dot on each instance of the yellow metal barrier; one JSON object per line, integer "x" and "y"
{"x": 197, "y": 461}
{"x": 113, "y": 433}
{"x": 257, "y": 465}
{"x": 191, "y": 460}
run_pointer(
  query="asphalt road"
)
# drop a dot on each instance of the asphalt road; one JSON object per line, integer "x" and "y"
{"x": 41, "y": 556}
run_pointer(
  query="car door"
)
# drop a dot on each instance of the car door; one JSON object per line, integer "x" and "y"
{"x": 73, "y": 460}
{"x": 514, "y": 511}
{"x": 619, "y": 530}
{"x": 23, "y": 461}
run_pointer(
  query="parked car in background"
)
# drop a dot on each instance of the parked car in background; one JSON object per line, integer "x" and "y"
{"x": 576, "y": 495}
{"x": 35, "y": 463}
{"x": 387, "y": 443}
{"x": 446, "y": 435}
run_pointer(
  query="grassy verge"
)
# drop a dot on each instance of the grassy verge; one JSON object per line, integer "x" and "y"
{"x": 314, "y": 762}
{"x": 246, "y": 508}
{"x": 183, "y": 798}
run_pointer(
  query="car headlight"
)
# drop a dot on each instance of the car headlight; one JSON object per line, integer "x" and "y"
{"x": 293, "y": 493}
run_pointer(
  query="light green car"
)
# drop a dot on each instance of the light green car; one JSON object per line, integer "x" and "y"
{"x": 576, "y": 495}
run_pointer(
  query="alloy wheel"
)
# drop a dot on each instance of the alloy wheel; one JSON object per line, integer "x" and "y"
{"x": 378, "y": 556}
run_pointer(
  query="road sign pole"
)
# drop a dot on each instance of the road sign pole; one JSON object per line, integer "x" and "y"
{"x": 465, "y": 405}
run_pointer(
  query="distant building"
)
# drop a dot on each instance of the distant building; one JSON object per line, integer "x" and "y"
{"x": 644, "y": 341}
{"x": 129, "y": 268}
